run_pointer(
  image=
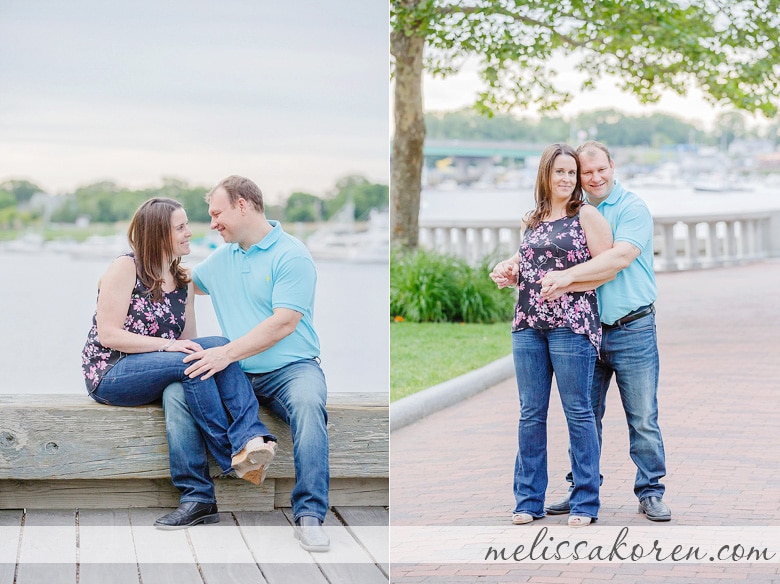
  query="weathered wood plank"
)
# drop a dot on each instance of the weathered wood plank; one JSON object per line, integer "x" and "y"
{"x": 231, "y": 574}
{"x": 49, "y": 573}
{"x": 354, "y": 491}
{"x": 48, "y": 548}
{"x": 11, "y": 525}
{"x": 222, "y": 556}
{"x": 68, "y": 494}
{"x": 364, "y": 515}
{"x": 269, "y": 549}
{"x": 346, "y": 561}
{"x": 232, "y": 494}
{"x": 67, "y": 436}
{"x": 7, "y": 572}
{"x": 106, "y": 547}
{"x": 163, "y": 556}
{"x": 367, "y": 525}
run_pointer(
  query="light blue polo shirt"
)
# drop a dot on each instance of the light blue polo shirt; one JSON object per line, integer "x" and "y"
{"x": 246, "y": 286}
{"x": 634, "y": 287}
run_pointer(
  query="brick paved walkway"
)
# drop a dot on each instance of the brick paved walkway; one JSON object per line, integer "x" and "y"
{"x": 719, "y": 338}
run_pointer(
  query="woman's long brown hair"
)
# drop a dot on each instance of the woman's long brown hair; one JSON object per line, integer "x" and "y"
{"x": 150, "y": 238}
{"x": 543, "y": 188}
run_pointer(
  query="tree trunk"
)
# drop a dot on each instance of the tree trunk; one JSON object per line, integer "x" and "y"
{"x": 409, "y": 136}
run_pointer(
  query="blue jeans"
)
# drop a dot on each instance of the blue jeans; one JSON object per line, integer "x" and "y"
{"x": 141, "y": 378}
{"x": 537, "y": 354}
{"x": 630, "y": 352}
{"x": 296, "y": 393}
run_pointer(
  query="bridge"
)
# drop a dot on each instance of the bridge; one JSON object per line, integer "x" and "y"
{"x": 478, "y": 149}
{"x": 465, "y": 161}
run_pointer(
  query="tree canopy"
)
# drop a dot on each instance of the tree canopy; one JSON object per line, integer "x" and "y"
{"x": 363, "y": 194}
{"x": 20, "y": 190}
{"x": 729, "y": 49}
{"x": 107, "y": 202}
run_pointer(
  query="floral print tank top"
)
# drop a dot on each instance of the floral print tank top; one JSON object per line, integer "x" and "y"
{"x": 555, "y": 245}
{"x": 163, "y": 319}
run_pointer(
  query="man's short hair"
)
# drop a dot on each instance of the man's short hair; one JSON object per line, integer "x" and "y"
{"x": 593, "y": 145}
{"x": 239, "y": 187}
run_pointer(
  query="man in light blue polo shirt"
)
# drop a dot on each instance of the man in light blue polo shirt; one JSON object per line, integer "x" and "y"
{"x": 246, "y": 287}
{"x": 262, "y": 287}
{"x": 629, "y": 348}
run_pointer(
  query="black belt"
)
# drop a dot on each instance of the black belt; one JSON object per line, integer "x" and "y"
{"x": 631, "y": 316}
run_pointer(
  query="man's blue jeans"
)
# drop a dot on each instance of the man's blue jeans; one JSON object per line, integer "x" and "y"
{"x": 223, "y": 406}
{"x": 630, "y": 352}
{"x": 297, "y": 394}
{"x": 537, "y": 354}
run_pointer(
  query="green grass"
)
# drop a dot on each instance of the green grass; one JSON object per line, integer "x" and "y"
{"x": 424, "y": 354}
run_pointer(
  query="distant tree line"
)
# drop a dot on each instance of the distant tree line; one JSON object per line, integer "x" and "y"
{"x": 109, "y": 202}
{"x": 611, "y": 127}
{"x": 363, "y": 194}
{"x": 15, "y": 196}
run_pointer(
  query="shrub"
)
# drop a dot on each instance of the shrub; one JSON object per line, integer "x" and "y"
{"x": 430, "y": 287}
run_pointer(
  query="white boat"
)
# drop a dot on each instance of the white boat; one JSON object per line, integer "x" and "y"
{"x": 29, "y": 242}
{"x": 343, "y": 239}
{"x": 718, "y": 183}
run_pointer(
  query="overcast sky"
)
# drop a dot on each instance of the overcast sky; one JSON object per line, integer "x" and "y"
{"x": 292, "y": 94}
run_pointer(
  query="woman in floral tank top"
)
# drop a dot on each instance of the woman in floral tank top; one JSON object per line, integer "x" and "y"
{"x": 144, "y": 326}
{"x": 560, "y": 336}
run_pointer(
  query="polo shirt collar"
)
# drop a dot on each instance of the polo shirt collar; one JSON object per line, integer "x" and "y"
{"x": 615, "y": 194}
{"x": 271, "y": 238}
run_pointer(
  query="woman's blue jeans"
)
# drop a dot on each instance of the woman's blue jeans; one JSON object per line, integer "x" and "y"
{"x": 224, "y": 406}
{"x": 537, "y": 355}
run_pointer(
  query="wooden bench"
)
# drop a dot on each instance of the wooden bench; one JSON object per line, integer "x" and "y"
{"x": 62, "y": 451}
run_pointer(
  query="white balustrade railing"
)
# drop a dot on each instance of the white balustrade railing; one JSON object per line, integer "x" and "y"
{"x": 681, "y": 242}
{"x": 703, "y": 241}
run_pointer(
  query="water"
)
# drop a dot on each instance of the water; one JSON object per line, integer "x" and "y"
{"x": 511, "y": 204}
{"x": 48, "y": 300}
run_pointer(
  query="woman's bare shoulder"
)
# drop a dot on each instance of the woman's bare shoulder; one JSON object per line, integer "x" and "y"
{"x": 121, "y": 269}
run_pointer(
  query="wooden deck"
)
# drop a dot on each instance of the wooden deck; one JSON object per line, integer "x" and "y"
{"x": 119, "y": 546}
